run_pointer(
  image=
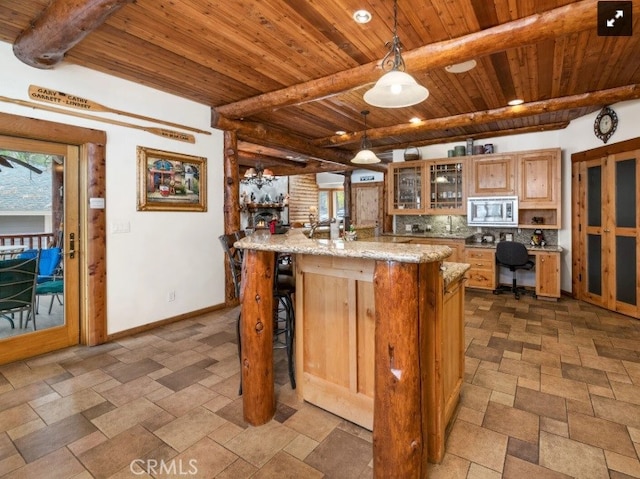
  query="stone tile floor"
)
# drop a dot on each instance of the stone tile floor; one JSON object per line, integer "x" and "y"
{"x": 552, "y": 390}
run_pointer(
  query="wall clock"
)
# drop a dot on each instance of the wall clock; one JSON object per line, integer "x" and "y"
{"x": 605, "y": 124}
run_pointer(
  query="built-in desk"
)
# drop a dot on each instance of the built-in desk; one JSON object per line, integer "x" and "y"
{"x": 379, "y": 340}
{"x": 485, "y": 273}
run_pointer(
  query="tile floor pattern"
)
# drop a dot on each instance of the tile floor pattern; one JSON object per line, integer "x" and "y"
{"x": 552, "y": 390}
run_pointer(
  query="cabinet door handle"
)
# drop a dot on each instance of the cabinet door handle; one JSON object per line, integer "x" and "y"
{"x": 607, "y": 231}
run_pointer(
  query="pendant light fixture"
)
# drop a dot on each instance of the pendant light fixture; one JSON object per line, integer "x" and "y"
{"x": 365, "y": 155}
{"x": 395, "y": 89}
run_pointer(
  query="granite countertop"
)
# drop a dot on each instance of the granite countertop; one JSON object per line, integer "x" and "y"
{"x": 453, "y": 271}
{"x": 550, "y": 247}
{"x": 296, "y": 242}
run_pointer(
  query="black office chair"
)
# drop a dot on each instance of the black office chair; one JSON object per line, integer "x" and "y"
{"x": 513, "y": 255}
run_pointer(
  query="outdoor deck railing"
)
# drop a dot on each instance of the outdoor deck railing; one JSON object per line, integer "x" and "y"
{"x": 31, "y": 240}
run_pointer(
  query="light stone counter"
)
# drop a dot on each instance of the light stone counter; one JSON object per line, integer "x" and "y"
{"x": 297, "y": 243}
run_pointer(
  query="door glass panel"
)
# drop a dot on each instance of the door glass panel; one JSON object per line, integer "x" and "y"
{"x": 626, "y": 194}
{"x": 594, "y": 196}
{"x": 31, "y": 219}
{"x": 626, "y": 269}
{"x": 594, "y": 264}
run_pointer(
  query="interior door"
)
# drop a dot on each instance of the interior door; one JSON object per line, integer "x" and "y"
{"x": 60, "y": 163}
{"x": 611, "y": 272}
{"x": 367, "y": 203}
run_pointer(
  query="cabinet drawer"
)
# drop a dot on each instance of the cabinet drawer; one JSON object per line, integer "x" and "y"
{"x": 481, "y": 263}
{"x": 481, "y": 278}
{"x": 473, "y": 254}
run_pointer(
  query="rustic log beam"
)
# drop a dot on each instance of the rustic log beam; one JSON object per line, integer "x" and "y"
{"x": 256, "y": 332}
{"x": 602, "y": 97}
{"x": 60, "y": 27}
{"x": 558, "y": 125}
{"x": 564, "y": 20}
{"x": 260, "y": 134}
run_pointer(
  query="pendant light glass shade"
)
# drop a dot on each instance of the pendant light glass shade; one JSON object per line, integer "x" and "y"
{"x": 395, "y": 89}
{"x": 365, "y": 155}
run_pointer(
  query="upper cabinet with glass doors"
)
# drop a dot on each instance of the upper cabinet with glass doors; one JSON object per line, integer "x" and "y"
{"x": 427, "y": 187}
{"x": 446, "y": 188}
{"x": 407, "y": 188}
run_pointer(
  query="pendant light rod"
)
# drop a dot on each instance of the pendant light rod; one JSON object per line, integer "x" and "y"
{"x": 365, "y": 155}
{"x": 395, "y": 89}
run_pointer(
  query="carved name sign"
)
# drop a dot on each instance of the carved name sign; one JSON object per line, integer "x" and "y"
{"x": 56, "y": 97}
{"x": 60, "y": 98}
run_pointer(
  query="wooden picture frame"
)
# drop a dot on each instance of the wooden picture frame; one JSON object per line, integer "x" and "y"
{"x": 171, "y": 181}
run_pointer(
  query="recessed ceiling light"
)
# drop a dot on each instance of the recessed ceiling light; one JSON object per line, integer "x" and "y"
{"x": 461, "y": 67}
{"x": 516, "y": 102}
{"x": 341, "y": 132}
{"x": 415, "y": 119}
{"x": 362, "y": 16}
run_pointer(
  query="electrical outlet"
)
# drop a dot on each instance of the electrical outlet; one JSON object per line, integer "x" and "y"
{"x": 171, "y": 296}
{"x": 407, "y": 228}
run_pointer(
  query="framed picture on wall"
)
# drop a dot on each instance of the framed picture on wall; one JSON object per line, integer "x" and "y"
{"x": 171, "y": 181}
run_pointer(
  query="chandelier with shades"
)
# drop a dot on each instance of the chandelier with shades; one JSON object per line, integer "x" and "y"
{"x": 258, "y": 176}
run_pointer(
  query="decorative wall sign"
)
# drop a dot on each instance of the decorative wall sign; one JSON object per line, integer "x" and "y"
{"x": 171, "y": 134}
{"x": 171, "y": 181}
{"x": 79, "y": 103}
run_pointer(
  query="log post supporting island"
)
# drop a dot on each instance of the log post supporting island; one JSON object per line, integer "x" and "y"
{"x": 379, "y": 340}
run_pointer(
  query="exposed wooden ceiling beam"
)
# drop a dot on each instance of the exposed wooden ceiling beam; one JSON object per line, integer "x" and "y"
{"x": 565, "y": 20}
{"x": 257, "y": 133}
{"x": 60, "y": 27}
{"x": 602, "y": 97}
{"x": 477, "y": 136}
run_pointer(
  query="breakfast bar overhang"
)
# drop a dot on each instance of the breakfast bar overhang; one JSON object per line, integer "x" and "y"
{"x": 418, "y": 351}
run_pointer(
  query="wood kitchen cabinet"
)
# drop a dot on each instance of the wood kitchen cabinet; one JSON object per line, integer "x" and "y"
{"x": 456, "y": 245}
{"x": 493, "y": 175}
{"x": 446, "y": 351}
{"x": 547, "y": 274}
{"x": 407, "y": 188}
{"x": 446, "y": 188}
{"x": 482, "y": 274}
{"x": 539, "y": 187}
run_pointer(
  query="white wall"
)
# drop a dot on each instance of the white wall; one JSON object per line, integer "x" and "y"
{"x": 164, "y": 251}
{"x": 578, "y": 136}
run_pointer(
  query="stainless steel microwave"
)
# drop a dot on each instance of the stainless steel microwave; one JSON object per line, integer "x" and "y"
{"x": 492, "y": 211}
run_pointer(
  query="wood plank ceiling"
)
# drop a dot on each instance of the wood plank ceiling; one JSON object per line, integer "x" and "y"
{"x": 288, "y": 74}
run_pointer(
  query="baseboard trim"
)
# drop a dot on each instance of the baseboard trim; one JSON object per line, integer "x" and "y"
{"x": 163, "y": 322}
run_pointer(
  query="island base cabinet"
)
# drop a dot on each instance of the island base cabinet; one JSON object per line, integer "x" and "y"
{"x": 378, "y": 331}
{"x": 335, "y": 326}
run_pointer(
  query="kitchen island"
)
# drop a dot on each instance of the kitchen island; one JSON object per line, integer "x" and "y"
{"x": 379, "y": 340}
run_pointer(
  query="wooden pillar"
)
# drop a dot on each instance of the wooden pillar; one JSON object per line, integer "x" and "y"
{"x": 387, "y": 219}
{"x": 231, "y": 206}
{"x": 400, "y": 426}
{"x": 348, "y": 213}
{"x": 256, "y": 333}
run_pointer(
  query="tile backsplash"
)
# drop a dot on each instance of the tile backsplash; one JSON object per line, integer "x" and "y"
{"x": 457, "y": 224}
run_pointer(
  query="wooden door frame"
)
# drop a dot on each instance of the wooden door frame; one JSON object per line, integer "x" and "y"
{"x": 93, "y": 274}
{"x": 578, "y": 162}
